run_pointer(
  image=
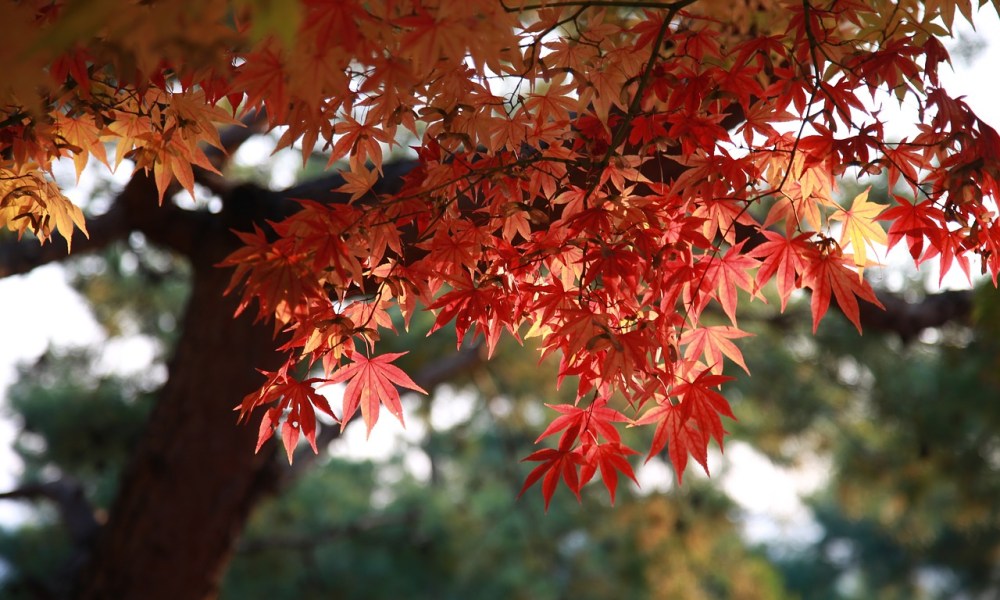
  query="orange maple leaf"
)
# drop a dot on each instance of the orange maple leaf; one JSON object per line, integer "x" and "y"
{"x": 359, "y": 180}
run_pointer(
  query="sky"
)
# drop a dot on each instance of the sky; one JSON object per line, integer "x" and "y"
{"x": 41, "y": 309}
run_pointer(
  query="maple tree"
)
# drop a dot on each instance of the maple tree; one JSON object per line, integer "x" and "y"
{"x": 596, "y": 175}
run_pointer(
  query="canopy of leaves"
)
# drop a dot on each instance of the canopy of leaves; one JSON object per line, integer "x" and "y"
{"x": 589, "y": 174}
{"x": 370, "y": 529}
{"x": 909, "y": 430}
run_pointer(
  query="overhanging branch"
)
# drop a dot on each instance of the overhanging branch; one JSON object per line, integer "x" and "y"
{"x": 901, "y": 317}
{"x": 75, "y": 511}
{"x": 909, "y": 319}
{"x": 134, "y": 209}
{"x": 21, "y": 256}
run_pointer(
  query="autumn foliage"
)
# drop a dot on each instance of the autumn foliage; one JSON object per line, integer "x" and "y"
{"x": 607, "y": 179}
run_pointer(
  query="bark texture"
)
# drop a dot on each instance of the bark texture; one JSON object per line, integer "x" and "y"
{"x": 194, "y": 477}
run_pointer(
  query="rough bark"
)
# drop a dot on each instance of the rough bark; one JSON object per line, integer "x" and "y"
{"x": 195, "y": 477}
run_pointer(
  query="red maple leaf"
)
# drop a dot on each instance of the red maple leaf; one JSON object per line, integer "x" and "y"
{"x": 555, "y": 462}
{"x": 575, "y": 421}
{"x": 828, "y": 274}
{"x": 701, "y": 402}
{"x": 783, "y": 261}
{"x": 679, "y": 435}
{"x": 609, "y": 458}
{"x": 590, "y": 424}
{"x": 301, "y": 400}
{"x": 686, "y": 427}
{"x": 914, "y": 222}
{"x": 730, "y": 273}
{"x": 712, "y": 343}
{"x": 371, "y": 383}
{"x": 487, "y": 307}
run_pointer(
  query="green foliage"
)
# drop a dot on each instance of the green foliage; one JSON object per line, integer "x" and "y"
{"x": 910, "y": 432}
{"x": 79, "y": 419}
{"x": 463, "y": 535}
{"x": 75, "y": 422}
{"x": 134, "y": 288}
{"x": 34, "y": 555}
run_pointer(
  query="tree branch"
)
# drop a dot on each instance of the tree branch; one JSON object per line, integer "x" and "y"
{"x": 21, "y": 256}
{"x": 168, "y": 225}
{"x": 75, "y": 510}
{"x": 134, "y": 209}
{"x": 308, "y": 541}
{"x": 909, "y": 319}
{"x": 901, "y": 317}
{"x": 322, "y": 188}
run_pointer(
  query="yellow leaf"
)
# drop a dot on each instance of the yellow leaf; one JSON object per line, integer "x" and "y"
{"x": 63, "y": 213}
{"x": 84, "y": 138}
{"x": 860, "y": 226}
{"x": 28, "y": 201}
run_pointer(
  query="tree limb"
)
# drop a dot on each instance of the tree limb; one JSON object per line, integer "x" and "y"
{"x": 322, "y": 189}
{"x": 21, "y": 256}
{"x": 909, "y": 319}
{"x": 308, "y": 541}
{"x": 134, "y": 209}
{"x": 75, "y": 510}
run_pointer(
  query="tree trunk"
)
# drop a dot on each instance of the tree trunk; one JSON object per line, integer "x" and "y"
{"x": 194, "y": 477}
